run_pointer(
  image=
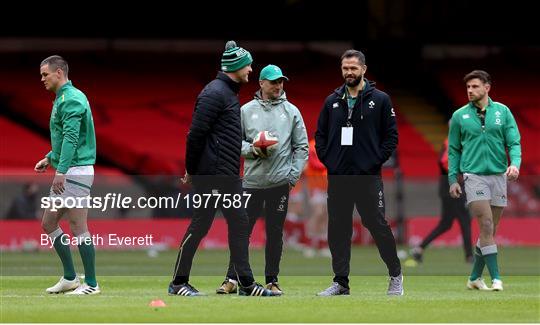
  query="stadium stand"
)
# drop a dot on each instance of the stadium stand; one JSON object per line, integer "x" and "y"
{"x": 20, "y": 146}
{"x": 142, "y": 113}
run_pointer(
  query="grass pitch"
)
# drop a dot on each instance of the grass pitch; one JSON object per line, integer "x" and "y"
{"x": 434, "y": 291}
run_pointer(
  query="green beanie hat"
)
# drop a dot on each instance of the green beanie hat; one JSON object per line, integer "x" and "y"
{"x": 234, "y": 58}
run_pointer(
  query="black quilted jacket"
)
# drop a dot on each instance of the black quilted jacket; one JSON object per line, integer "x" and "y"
{"x": 214, "y": 140}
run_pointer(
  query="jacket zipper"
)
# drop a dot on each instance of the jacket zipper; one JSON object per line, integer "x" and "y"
{"x": 483, "y": 126}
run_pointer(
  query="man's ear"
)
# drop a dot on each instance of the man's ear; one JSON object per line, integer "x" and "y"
{"x": 488, "y": 87}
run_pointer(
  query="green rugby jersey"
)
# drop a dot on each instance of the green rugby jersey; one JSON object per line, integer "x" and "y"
{"x": 73, "y": 139}
{"x": 482, "y": 150}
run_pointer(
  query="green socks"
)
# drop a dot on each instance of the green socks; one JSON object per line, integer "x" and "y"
{"x": 490, "y": 258}
{"x": 63, "y": 251}
{"x": 485, "y": 256}
{"x": 87, "y": 251}
{"x": 88, "y": 256}
{"x": 478, "y": 264}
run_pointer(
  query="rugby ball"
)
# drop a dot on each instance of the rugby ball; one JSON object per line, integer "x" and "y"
{"x": 265, "y": 143}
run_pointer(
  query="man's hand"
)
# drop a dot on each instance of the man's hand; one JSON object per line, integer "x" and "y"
{"x": 58, "y": 183}
{"x": 257, "y": 153}
{"x": 42, "y": 165}
{"x": 186, "y": 179}
{"x": 512, "y": 173}
{"x": 455, "y": 190}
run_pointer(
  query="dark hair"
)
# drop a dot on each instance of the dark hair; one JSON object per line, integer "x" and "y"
{"x": 354, "y": 54}
{"x": 478, "y": 74}
{"x": 56, "y": 62}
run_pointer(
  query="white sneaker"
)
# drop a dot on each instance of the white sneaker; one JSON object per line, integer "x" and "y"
{"x": 85, "y": 289}
{"x": 477, "y": 284}
{"x": 496, "y": 285}
{"x": 395, "y": 285}
{"x": 64, "y": 285}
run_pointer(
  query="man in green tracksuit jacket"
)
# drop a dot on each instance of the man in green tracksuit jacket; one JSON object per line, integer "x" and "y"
{"x": 480, "y": 133}
{"x": 268, "y": 177}
{"x": 73, "y": 155}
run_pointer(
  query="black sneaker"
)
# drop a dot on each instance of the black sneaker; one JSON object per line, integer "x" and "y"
{"x": 184, "y": 289}
{"x": 256, "y": 289}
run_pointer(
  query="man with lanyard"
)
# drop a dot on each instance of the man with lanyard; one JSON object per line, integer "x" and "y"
{"x": 354, "y": 138}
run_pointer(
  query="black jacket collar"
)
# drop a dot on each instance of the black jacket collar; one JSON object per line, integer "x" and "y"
{"x": 368, "y": 88}
{"x": 235, "y": 86}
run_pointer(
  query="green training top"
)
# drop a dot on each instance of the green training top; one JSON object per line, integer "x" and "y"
{"x": 73, "y": 139}
{"x": 481, "y": 150}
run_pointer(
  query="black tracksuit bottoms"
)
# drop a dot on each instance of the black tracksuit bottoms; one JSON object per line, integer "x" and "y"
{"x": 274, "y": 202}
{"x": 237, "y": 223}
{"x": 452, "y": 209}
{"x": 367, "y": 194}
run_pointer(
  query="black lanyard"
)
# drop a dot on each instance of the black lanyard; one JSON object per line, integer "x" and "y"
{"x": 349, "y": 115}
{"x": 350, "y": 112}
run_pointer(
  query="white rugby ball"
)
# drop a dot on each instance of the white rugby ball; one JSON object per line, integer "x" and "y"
{"x": 265, "y": 143}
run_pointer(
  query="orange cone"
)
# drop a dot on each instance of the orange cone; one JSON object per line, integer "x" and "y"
{"x": 157, "y": 303}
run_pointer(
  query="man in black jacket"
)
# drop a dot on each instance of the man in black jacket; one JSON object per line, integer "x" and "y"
{"x": 356, "y": 134}
{"x": 451, "y": 208}
{"x": 213, "y": 150}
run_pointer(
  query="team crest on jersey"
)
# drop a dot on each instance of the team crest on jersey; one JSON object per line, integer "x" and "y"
{"x": 497, "y": 118}
{"x": 371, "y": 104}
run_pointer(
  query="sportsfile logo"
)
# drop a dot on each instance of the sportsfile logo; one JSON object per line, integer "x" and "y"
{"x": 120, "y": 201}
